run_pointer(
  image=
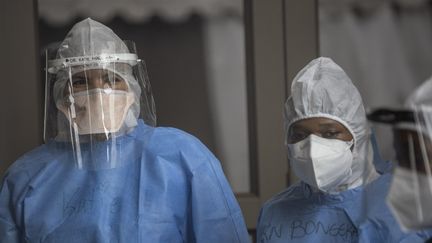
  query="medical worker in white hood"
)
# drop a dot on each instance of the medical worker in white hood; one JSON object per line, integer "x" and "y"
{"x": 106, "y": 173}
{"x": 330, "y": 150}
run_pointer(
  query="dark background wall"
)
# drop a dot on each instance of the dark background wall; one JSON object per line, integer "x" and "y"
{"x": 21, "y": 89}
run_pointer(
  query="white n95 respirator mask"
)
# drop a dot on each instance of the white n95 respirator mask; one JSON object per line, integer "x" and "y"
{"x": 97, "y": 110}
{"x": 322, "y": 163}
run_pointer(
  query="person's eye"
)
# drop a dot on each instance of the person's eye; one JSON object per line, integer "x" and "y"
{"x": 298, "y": 136}
{"x": 112, "y": 78}
{"x": 331, "y": 134}
{"x": 79, "y": 81}
{"x": 119, "y": 83}
{"x": 118, "y": 80}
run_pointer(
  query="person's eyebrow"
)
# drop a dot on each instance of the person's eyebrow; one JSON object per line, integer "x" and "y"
{"x": 297, "y": 126}
{"x": 110, "y": 74}
{"x": 78, "y": 76}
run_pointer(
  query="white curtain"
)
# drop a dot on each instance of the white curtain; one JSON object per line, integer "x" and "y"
{"x": 58, "y": 12}
{"x": 226, "y": 66}
{"x": 383, "y": 45}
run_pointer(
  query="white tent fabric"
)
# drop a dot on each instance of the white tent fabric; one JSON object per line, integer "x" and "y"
{"x": 416, "y": 34}
{"x": 59, "y": 12}
{"x": 226, "y": 66}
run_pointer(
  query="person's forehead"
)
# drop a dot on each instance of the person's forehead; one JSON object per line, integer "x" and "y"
{"x": 99, "y": 71}
{"x": 316, "y": 122}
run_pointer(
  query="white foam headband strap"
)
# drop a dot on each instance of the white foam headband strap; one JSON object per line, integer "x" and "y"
{"x": 57, "y": 64}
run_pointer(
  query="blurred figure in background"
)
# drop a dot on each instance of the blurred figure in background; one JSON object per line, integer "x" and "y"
{"x": 410, "y": 193}
{"x": 106, "y": 173}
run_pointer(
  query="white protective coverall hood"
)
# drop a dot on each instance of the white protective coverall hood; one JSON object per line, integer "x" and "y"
{"x": 323, "y": 89}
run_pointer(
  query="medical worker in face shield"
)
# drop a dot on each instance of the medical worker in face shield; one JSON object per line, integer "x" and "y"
{"x": 105, "y": 173}
{"x": 330, "y": 150}
{"x": 409, "y": 195}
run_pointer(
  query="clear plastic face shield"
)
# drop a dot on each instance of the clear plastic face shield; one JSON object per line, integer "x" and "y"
{"x": 94, "y": 103}
{"x": 409, "y": 196}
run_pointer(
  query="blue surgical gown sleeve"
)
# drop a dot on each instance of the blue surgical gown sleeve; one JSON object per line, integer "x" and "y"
{"x": 13, "y": 190}
{"x": 9, "y": 231}
{"x": 215, "y": 213}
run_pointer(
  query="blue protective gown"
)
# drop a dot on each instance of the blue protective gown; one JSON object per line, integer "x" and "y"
{"x": 300, "y": 214}
{"x": 168, "y": 189}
